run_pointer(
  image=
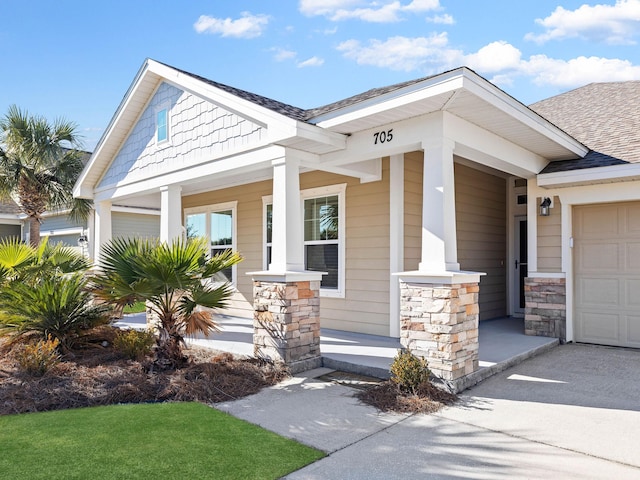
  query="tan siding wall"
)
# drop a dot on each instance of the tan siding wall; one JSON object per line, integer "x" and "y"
{"x": 128, "y": 225}
{"x": 482, "y": 234}
{"x": 365, "y": 307}
{"x": 550, "y": 239}
{"x": 248, "y": 237}
{"x": 413, "y": 168}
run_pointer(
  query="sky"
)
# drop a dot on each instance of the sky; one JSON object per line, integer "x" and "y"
{"x": 76, "y": 59}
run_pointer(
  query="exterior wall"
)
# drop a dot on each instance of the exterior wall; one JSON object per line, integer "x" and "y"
{"x": 249, "y": 237}
{"x": 481, "y": 223}
{"x": 198, "y": 130}
{"x": 365, "y": 307}
{"x": 130, "y": 225}
{"x": 413, "y": 168}
{"x": 550, "y": 239}
{"x": 59, "y": 222}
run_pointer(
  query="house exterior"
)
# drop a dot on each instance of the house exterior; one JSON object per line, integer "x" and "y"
{"x": 408, "y": 211}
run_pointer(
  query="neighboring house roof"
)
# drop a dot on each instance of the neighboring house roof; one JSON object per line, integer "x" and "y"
{"x": 9, "y": 207}
{"x": 603, "y": 116}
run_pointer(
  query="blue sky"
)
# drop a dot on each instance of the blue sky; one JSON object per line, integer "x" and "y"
{"x": 76, "y": 59}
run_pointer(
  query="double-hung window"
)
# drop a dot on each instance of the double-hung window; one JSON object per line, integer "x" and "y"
{"x": 323, "y": 224}
{"x": 216, "y": 223}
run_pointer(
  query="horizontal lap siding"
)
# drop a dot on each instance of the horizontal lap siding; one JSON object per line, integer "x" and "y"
{"x": 130, "y": 225}
{"x": 482, "y": 234}
{"x": 365, "y": 307}
{"x": 550, "y": 239}
{"x": 249, "y": 237}
{"x": 413, "y": 167}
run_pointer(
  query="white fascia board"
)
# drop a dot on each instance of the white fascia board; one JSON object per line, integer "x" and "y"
{"x": 447, "y": 82}
{"x": 590, "y": 176}
{"x": 62, "y": 231}
{"x": 509, "y": 105}
{"x": 11, "y": 219}
{"x": 484, "y": 147}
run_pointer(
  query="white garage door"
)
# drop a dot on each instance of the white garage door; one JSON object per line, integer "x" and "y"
{"x": 607, "y": 274}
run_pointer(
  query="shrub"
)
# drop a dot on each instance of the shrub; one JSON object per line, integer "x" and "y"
{"x": 37, "y": 358}
{"x": 409, "y": 371}
{"x": 135, "y": 344}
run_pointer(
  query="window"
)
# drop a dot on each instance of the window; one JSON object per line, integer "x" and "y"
{"x": 162, "y": 125}
{"x": 323, "y": 223}
{"x": 216, "y": 223}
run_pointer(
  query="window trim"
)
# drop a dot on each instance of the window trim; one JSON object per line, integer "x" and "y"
{"x": 325, "y": 191}
{"x": 157, "y": 110}
{"x": 213, "y": 208}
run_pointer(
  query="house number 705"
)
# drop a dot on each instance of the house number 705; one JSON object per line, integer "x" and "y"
{"x": 382, "y": 137}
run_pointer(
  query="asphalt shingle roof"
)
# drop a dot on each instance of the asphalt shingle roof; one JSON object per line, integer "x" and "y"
{"x": 603, "y": 116}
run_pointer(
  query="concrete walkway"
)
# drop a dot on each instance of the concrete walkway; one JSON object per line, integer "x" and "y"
{"x": 573, "y": 412}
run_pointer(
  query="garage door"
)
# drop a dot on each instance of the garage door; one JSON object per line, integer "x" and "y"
{"x": 607, "y": 274}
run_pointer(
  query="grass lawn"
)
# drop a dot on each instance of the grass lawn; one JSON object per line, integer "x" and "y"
{"x": 137, "y": 307}
{"x": 144, "y": 441}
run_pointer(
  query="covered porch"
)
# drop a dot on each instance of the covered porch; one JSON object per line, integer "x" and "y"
{"x": 502, "y": 344}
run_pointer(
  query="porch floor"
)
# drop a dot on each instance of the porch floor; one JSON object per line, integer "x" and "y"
{"x": 502, "y": 344}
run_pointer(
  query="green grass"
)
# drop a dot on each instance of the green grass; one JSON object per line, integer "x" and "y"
{"x": 146, "y": 441}
{"x": 137, "y": 307}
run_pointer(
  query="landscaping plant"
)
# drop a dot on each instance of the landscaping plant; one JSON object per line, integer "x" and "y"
{"x": 175, "y": 281}
{"x": 409, "y": 371}
{"x": 134, "y": 344}
{"x": 37, "y": 358}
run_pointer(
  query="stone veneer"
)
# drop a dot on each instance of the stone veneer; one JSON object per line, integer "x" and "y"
{"x": 286, "y": 324}
{"x": 545, "y": 312}
{"x": 440, "y": 323}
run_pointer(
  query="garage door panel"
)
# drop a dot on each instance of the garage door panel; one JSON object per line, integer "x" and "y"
{"x": 599, "y": 220}
{"x": 633, "y": 331}
{"x": 599, "y": 291}
{"x": 607, "y": 273}
{"x": 599, "y": 257}
{"x": 600, "y": 327}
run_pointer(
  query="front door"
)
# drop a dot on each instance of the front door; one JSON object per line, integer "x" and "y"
{"x": 520, "y": 264}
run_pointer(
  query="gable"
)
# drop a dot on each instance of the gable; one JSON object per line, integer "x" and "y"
{"x": 199, "y": 130}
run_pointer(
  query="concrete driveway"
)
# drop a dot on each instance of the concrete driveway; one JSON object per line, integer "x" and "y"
{"x": 573, "y": 412}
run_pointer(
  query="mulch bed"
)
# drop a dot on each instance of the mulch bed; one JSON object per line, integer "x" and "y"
{"x": 98, "y": 375}
{"x": 388, "y": 397}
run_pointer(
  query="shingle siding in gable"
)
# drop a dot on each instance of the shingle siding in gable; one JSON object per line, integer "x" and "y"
{"x": 198, "y": 130}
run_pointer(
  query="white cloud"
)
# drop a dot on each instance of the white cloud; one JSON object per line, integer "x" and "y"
{"x": 247, "y": 26}
{"x": 578, "y": 71}
{"x": 495, "y": 57}
{"x": 311, "y": 62}
{"x": 612, "y": 24}
{"x": 282, "y": 54}
{"x": 365, "y": 10}
{"x": 445, "y": 19}
{"x": 400, "y": 53}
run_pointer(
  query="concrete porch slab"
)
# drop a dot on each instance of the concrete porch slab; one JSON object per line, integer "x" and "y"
{"x": 502, "y": 345}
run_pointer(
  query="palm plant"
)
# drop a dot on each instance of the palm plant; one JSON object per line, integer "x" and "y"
{"x": 43, "y": 289}
{"x": 175, "y": 281}
{"x": 39, "y": 165}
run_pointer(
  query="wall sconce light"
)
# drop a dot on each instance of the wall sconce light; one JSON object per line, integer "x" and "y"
{"x": 545, "y": 206}
{"x": 82, "y": 241}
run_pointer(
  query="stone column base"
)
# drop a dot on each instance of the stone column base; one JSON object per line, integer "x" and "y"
{"x": 545, "y": 312}
{"x": 439, "y": 321}
{"x": 286, "y": 325}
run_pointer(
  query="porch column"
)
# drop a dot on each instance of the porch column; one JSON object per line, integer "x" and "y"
{"x": 286, "y": 325}
{"x": 439, "y": 248}
{"x": 102, "y": 234}
{"x": 170, "y": 213}
{"x": 287, "y": 250}
{"x": 439, "y": 303}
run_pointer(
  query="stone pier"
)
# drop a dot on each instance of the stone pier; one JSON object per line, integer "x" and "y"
{"x": 545, "y": 312}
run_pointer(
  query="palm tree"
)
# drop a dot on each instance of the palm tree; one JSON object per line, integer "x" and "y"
{"x": 39, "y": 165}
{"x": 176, "y": 283}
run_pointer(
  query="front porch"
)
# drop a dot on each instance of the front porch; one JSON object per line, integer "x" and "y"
{"x": 502, "y": 345}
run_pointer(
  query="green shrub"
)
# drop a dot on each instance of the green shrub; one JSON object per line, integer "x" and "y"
{"x": 135, "y": 344}
{"x": 37, "y": 358}
{"x": 409, "y": 371}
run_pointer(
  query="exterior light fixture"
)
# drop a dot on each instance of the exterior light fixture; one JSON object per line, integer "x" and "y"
{"x": 544, "y": 207}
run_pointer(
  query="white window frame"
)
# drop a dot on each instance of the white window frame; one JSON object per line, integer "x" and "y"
{"x": 219, "y": 207}
{"x": 157, "y": 110}
{"x": 326, "y": 191}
